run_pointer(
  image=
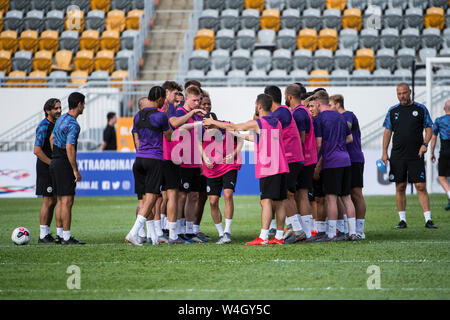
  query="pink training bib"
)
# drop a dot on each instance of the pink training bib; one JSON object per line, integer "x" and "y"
{"x": 310, "y": 146}
{"x": 292, "y": 142}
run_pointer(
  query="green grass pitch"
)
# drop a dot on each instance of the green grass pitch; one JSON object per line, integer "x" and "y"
{"x": 414, "y": 263}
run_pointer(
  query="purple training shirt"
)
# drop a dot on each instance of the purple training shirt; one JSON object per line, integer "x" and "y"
{"x": 354, "y": 149}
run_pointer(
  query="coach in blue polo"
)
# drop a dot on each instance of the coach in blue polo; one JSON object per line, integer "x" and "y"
{"x": 407, "y": 121}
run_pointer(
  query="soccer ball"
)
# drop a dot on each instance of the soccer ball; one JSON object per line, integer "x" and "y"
{"x": 21, "y": 236}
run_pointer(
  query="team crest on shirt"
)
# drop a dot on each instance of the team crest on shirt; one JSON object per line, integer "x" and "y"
{"x": 186, "y": 185}
{"x": 415, "y": 113}
{"x": 49, "y": 189}
{"x": 391, "y": 177}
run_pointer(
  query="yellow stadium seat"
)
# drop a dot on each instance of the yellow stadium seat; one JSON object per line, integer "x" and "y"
{"x": 74, "y": 20}
{"x": 49, "y": 41}
{"x": 104, "y": 61}
{"x": 5, "y": 61}
{"x": 307, "y": 39}
{"x": 37, "y": 83}
{"x": 328, "y": 39}
{"x": 90, "y": 40}
{"x": 115, "y": 20}
{"x": 21, "y": 78}
{"x": 110, "y": 40}
{"x": 336, "y": 4}
{"x": 78, "y": 78}
{"x": 270, "y": 19}
{"x": 84, "y": 60}
{"x": 28, "y": 40}
{"x": 8, "y": 41}
{"x": 1, "y": 21}
{"x": 43, "y": 61}
{"x": 434, "y": 18}
{"x": 102, "y": 5}
{"x": 117, "y": 76}
{"x": 352, "y": 19}
{"x": 365, "y": 59}
{"x": 133, "y": 17}
{"x": 254, "y": 4}
{"x": 63, "y": 60}
{"x": 4, "y": 5}
{"x": 323, "y": 82}
{"x": 204, "y": 40}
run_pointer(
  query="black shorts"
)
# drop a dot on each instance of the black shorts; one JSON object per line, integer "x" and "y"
{"x": 203, "y": 184}
{"x": 63, "y": 179}
{"x": 171, "y": 175}
{"x": 444, "y": 166}
{"x": 295, "y": 169}
{"x": 318, "y": 187}
{"x": 44, "y": 184}
{"x": 225, "y": 181}
{"x": 147, "y": 176}
{"x": 337, "y": 181}
{"x": 413, "y": 169}
{"x": 357, "y": 175}
{"x": 190, "y": 180}
{"x": 274, "y": 187}
{"x": 305, "y": 180}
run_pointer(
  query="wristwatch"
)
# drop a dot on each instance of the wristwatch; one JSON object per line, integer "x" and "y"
{"x": 425, "y": 144}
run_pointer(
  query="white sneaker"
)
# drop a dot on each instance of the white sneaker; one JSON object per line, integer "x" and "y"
{"x": 155, "y": 241}
{"x": 361, "y": 236}
{"x": 226, "y": 237}
{"x": 133, "y": 240}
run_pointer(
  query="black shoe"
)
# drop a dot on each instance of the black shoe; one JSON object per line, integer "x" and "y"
{"x": 166, "y": 233}
{"x": 72, "y": 240}
{"x": 401, "y": 225}
{"x": 47, "y": 239}
{"x": 430, "y": 225}
{"x": 447, "y": 207}
{"x": 318, "y": 236}
{"x": 352, "y": 237}
{"x": 58, "y": 239}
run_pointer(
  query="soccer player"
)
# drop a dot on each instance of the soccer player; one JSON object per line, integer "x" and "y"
{"x": 294, "y": 156}
{"x": 178, "y": 100}
{"x": 63, "y": 166}
{"x": 442, "y": 126}
{"x": 333, "y": 134}
{"x": 407, "y": 120}
{"x": 357, "y": 159}
{"x": 271, "y": 168}
{"x": 44, "y": 186}
{"x": 109, "y": 134}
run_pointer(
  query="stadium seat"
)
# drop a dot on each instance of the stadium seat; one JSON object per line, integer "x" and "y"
{"x": 275, "y": 4}
{"x": 270, "y": 19}
{"x": 427, "y": 52}
{"x": 84, "y": 5}
{"x": 28, "y": 40}
{"x": 118, "y": 76}
{"x": 128, "y": 39}
{"x": 343, "y": 59}
{"x": 95, "y": 20}
{"x": 393, "y": 18}
{"x": 328, "y": 39}
{"x": 254, "y": 4}
{"x": 5, "y": 61}
{"x": 234, "y": 4}
{"x": 316, "y": 4}
{"x": 296, "y": 4}
{"x": 69, "y": 40}
{"x": 307, "y": 39}
{"x": 199, "y": 60}
{"x": 4, "y": 5}
{"x": 22, "y": 61}
{"x": 299, "y": 75}
{"x": 278, "y": 74}
{"x": 229, "y": 19}
{"x": 290, "y": 19}
{"x": 22, "y": 5}
{"x": 311, "y": 19}
{"x": 240, "y": 59}
{"x": 104, "y": 61}
{"x": 287, "y": 39}
{"x": 266, "y": 37}
{"x": 257, "y": 75}
{"x": 361, "y": 77}
{"x": 8, "y": 40}
{"x": 431, "y": 38}
{"x": 84, "y": 60}
{"x": 323, "y": 59}
{"x": 250, "y": 19}
{"x": 410, "y": 38}
{"x": 123, "y": 60}
{"x": 63, "y": 59}
{"x": 402, "y": 74}
{"x": 139, "y": 4}
{"x": 13, "y": 20}
{"x": 389, "y": 39}
{"x": 413, "y": 18}
{"x": 434, "y": 18}
{"x": 331, "y": 19}
{"x": 405, "y": 58}
{"x": 1, "y": 21}
{"x": 209, "y": 19}
{"x": 398, "y": 4}
{"x": 204, "y": 40}
{"x": 16, "y": 77}
{"x": 281, "y": 60}
{"x": 35, "y": 79}
{"x": 90, "y": 40}
{"x": 43, "y": 61}
{"x": 365, "y": 59}
{"x": 220, "y": 60}
{"x": 369, "y": 39}
{"x": 225, "y": 39}
{"x": 2, "y": 78}
{"x": 380, "y": 3}
{"x": 418, "y": 4}
{"x": 385, "y": 59}
{"x": 445, "y": 52}
{"x": 336, "y": 4}
{"x": 54, "y": 20}
{"x": 110, "y": 40}
{"x": 57, "y": 78}
{"x": 78, "y": 78}
{"x": 339, "y": 76}
{"x": 49, "y": 40}
{"x": 99, "y": 78}
{"x": 115, "y": 20}
{"x": 348, "y": 39}
{"x": 302, "y": 59}
{"x": 319, "y": 77}
{"x": 246, "y": 39}
{"x": 74, "y": 20}
{"x": 123, "y": 5}
{"x": 357, "y": 4}
{"x": 352, "y": 19}
{"x": 103, "y": 5}
{"x": 34, "y": 20}
{"x": 261, "y": 60}
{"x": 382, "y": 74}
{"x": 439, "y": 3}
{"x": 446, "y": 38}
{"x": 196, "y": 74}
{"x": 60, "y": 4}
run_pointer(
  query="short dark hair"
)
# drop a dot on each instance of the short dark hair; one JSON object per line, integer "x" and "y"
{"x": 156, "y": 92}
{"x": 274, "y": 92}
{"x": 193, "y": 90}
{"x": 319, "y": 89}
{"x": 180, "y": 94}
{"x": 295, "y": 91}
{"x": 192, "y": 83}
{"x": 50, "y": 104}
{"x": 74, "y": 99}
{"x": 265, "y": 101}
{"x": 171, "y": 86}
{"x": 110, "y": 115}
{"x": 308, "y": 94}
{"x": 211, "y": 115}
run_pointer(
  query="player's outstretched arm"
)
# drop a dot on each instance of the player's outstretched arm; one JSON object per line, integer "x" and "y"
{"x": 245, "y": 126}
{"x": 177, "y": 122}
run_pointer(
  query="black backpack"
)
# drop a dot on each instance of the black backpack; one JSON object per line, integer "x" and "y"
{"x": 143, "y": 122}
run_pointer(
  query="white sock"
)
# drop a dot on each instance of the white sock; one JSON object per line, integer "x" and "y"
{"x": 228, "y": 225}
{"x": 180, "y": 227}
{"x": 288, "y": 221}
{"x": 311, "y": 222}
{"x": 151, "y": 233}
{"x": 340, "y": 225}
{"x": 59, "y": 232}
{"x": 264, "y": 234}
{"x": 139, "y": 223}
{"x": 158, "y": 228}
{"x": 315, "y": 225}
{"x": 66, "y": 235}
{"x": 360, "y": 225}
{"x": 345, "y": 223}
{"x": 331, "y": 228}
{"x": 279, "y": 234}
{"x": 172, "y": 230}
{"x": 307, "y": 225}
{"x": 219, "y": 228}
{"x": 448, "y": 194}
{"x": 189, "y": 227}
{"x": 321, "y": 226}
{"x": 163, "y": 221}
{"x": 351, "y": 226}
{"x": 296, "y": 223}
{"x": 43, "y": 230}
{"x": 196, "y": 228}
{"x": 272, "y": 224}
{"x": 427, "y": 215}
{"x": 141, "y": 232}
{"x": 402, "y": 215}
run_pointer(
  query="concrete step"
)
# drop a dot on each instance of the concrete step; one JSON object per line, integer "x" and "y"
{"x": 176, "y": 5}
{"x": 171, "y": 21}
{"x": 160, "y": 61}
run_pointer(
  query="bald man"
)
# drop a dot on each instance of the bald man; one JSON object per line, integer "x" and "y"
{"x": 407, "y": 121}
{"x": 442, "y": 126}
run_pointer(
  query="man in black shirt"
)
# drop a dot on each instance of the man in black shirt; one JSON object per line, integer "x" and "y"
{"x": 109, "y": 134}
{"x": 407, "y": 120}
